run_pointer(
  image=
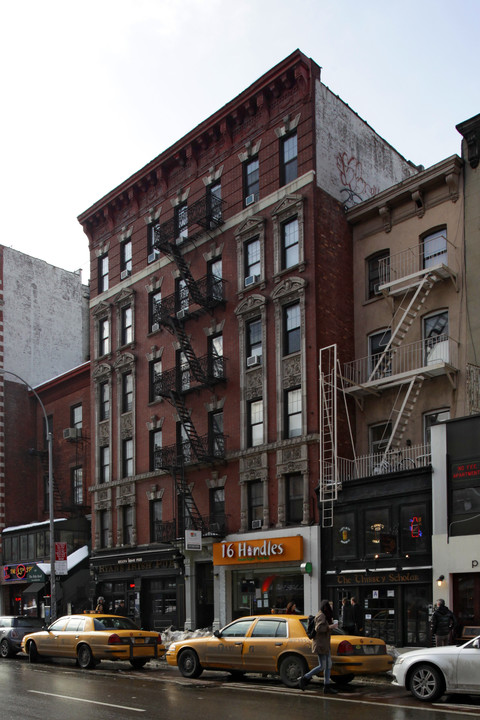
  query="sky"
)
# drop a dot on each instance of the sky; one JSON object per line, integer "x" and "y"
{"x": 94, "y": 90}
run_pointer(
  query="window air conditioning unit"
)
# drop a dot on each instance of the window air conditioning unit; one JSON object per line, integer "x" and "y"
{"x": 256, "y": 524}
{"x": 72, "y": 433}
{"x": 251, "y": 279}
{"x": 249, "y": 199}
{"x": 155, "y": 327}
{"x": 124, "y": 274}
{"x": 254, "y": 360}
{"x": 181, "y": 314}
{"x": 152, "y": 257}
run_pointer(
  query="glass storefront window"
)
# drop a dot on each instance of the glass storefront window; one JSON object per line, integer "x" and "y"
{"x": 344, "y": 542}
{"x": 265, "y": 591}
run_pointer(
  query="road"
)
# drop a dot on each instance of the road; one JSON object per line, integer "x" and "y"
{"x": 59, "y": 690}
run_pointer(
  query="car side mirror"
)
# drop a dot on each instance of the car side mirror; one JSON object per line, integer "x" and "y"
{"x": 217, "y": 633}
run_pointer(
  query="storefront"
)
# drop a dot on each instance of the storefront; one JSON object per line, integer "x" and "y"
{"x": 262, "y": 574}
{"x": 151, "y": 582}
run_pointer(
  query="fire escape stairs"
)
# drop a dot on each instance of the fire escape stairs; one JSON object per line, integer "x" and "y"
{"x": 407, "y": 314}
{"x": 402, "y": 412}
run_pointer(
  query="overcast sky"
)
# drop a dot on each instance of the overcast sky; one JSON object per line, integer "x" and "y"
{"x": 92, "y": 91}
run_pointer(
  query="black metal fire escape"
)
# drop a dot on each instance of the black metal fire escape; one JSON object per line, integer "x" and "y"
{"x": 203, "y": 295}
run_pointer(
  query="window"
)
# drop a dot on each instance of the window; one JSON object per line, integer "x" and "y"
{"x": 255, "y": 423}
{"x": 156, "y": 512}
{"x": 217, "y": 438}
{"x": 216, "y": 356}
{"x": 435, "y": 334}
{"x": 435, "y": 248}
{"x": 77, "y": 485}
{"x": 288, "y": 159}
{"x": 154, "y": 309}
{"x": 127, "y": 524}
{"x": 126, "y": 258}
{"x": 214, "y": 204}
{"x": 182, "y": 295}
{"x": 377, "y": 525}
{"x": 379, "y": 436}
{"x": 152, "y": 252}
{"x": 344, "y": 535}
{"x": 433, "y": 418}
{"x": 183, "y": 371}
{"x": 104, "y": 336}
{"x": 254, "y": 342}
{"x": 290, "y": 244}
{"x": 104, "y": 400}
{"x": 215, "y": 284}
{"x": 294, "y": 504}
{"x": 156, "y": 460}
{"x": 217, "y": 505}
{"x": 127, "y": 325}
{"x": 293, "y": 417}
{"x": 104, "y": 464}
{"x": 292, "y": 328}
{"x": 184, "y": 443}
{"x": 127, "y": 392}
{"x": 255, "y": 504}
{"x": 127, "y": 457}
{"x": 155, "y": 381}
{"x": 379, "y": 366}
{"x": 181, "y": 222}
{"x": 251, "y": 181}
{"x": 252, "y": 262}
{"x": 102, "y": 273}
{"x": 378, "y": 272}
{"x": 415, "y": 535}
{"x": 76, "y": 417}
{"x": 104, "y": 527}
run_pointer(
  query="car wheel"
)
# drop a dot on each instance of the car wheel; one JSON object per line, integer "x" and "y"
{"x": 189, "y": 664}
{"x": 291, "y": 668}
{"x": 5, "y": 651}
{"x": 425, "y": 682}
{"x": 138, "y": 664}
{"x": 342, "y": 679}
{"x": 33, "y": 655}
{"x": 85, "y": 657}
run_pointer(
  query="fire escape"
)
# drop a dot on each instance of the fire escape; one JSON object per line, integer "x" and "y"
{"x": 192, "y": 299}
{"x": 406, "y": 280}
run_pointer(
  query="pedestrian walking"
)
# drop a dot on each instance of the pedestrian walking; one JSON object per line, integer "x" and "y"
{"x": 321, "y": 647}
{"x": 347, "y": 617}
{"x": 443, "y": 624}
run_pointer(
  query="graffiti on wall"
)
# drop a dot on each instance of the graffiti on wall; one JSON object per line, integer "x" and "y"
{"x": 355, "y": 189}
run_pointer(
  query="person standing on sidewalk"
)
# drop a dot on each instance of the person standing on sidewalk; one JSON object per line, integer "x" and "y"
{"x": 321, "y": 646}
{"x": 443, "y": 624}
{"x": 357, "y": 616}
{"x": 347, "y": 617}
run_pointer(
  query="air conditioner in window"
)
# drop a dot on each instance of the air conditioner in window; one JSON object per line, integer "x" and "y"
{"x": 124, "y": 274}
{"x": 251, "y": 279}
{"x": 72, "y": 433}
{"x": 249, "y": 199}
{"x": 181, "y": 314}
{"x": 155, "y": 327}
{"x": 152, "y": 257}
{"x": 256, "y": 524}
{"x": 254, "y": 360}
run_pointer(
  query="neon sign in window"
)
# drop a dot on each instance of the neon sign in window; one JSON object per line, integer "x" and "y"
{"x": 416, "y": 527}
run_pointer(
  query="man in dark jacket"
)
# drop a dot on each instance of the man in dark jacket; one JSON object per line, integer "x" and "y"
{"x": 358, "y": 616}
{"x": 443, "y": 623}
{"x": 348, "y": 617}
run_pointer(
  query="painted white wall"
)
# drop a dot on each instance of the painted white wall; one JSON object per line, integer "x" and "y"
{"x": 353, "y": 161}
{"x": 45, "y": 318}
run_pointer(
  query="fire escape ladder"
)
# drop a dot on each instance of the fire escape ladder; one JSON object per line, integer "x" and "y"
{"x": 189, "y": 503}
{"x": 193, "y": 362}
{"x": 402, "y": 411}
{"x": 407, "y": 314}
{"x": 196, "y": 445}
{"x": 328, "y": 485}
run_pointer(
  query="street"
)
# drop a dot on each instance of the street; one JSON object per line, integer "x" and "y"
{"x": 56, "y": 690}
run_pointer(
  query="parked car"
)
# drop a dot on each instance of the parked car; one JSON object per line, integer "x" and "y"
{"x": 12, "y": 630}
{"x": 429, "y": 673}
{"x": 90, "y": 638}
{"x": 276, "y": 644}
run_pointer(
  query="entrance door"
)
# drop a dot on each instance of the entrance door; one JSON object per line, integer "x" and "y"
{"x": 416, "y": 626}
{"x": 204, "y": 594}
{"x": 466, "y": 600}
{"x": 161, "y": 601}
{"x": 380, "y": 614}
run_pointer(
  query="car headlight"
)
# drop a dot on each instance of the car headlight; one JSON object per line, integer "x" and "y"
{"x": 399, "y": 660}
{"x": 171, "y": 647}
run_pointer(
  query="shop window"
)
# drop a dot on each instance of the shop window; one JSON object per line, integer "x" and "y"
{"x": 415, "y": 535}
{"x": 255, "y": 504}
{"x": 288, "y": 158}
{"x": 344, "y": 535}
{"x": 377, "y": 527}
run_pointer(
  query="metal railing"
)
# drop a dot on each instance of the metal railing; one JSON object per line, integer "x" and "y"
{"x": 421, "y": 257}
{"x": 215, "y": 525}
{"x": 404, "y": 359}
{"x": 406, "y": 458}
{"x": 211, "y": 291}
{"x": 213, "y": 370}
{"x": 184, "y": 453}
{"x": 207, "y": 213}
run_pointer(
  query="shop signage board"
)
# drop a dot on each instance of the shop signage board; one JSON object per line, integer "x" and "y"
{"x": 61, "y": 567}
{"x": 265, "y": 550}
{"x": 193, "y": 539}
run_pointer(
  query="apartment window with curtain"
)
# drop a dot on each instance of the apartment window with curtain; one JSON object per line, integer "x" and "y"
{"x": 288, "y": 158}
{"x": 214, "y": 276}
{"x": 103, "y": 273}
{"x": 217, "y": 505}
{"x": 127, "y": 392}
{"x": 435, "y": 338}
{"x": 291, "y": 324}
{"x": 127, "y": 457}
{"x": 104, "y": 469}
{"x": 255, "y": 423}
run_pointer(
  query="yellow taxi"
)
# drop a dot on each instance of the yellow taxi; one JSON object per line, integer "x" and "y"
{"x": 277, "y": 644}
{"x": 90, "y": 638}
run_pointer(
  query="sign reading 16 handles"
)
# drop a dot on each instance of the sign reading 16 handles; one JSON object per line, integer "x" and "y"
{"x": 284, "y": 549}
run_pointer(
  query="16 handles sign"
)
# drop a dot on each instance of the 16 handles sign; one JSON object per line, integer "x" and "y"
{"x": 283, "y": 549}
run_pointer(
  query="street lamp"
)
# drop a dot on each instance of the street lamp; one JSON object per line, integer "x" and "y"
{"x": 53, "y": 593}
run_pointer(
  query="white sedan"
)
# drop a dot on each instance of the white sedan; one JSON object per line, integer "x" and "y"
{"x": 431, "y": 672}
